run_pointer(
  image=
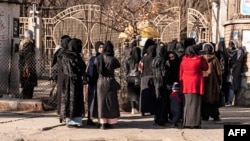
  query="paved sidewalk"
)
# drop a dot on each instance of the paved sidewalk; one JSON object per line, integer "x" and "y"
{"x": 45, "y": 126}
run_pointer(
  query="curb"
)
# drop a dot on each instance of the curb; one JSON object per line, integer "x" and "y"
{"x": 12, "y": 104}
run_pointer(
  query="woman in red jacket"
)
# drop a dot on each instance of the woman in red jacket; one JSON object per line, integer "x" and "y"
{"x": 192, "y": 86}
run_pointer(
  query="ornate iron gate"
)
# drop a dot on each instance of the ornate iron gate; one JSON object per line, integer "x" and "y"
{"x": 168, "y": 24}
{"x": 85, "y": 22}
{"x": 90, "y": 24}
{"x": 198, "y": 25}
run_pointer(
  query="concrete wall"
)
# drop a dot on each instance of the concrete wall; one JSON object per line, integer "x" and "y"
{"x": 222, "y": 17}
{"x": 8, "y": 73}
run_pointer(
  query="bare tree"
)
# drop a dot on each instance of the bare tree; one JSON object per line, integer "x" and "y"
{"x": 122, "y": 13}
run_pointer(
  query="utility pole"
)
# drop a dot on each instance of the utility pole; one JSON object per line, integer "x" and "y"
{"x": 34, "y": 13}
{"x": 35, "y": 26}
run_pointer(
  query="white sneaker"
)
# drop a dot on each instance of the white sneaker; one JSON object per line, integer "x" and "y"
{"x": 133, "y": 111}
{"x": 228, "y": 105}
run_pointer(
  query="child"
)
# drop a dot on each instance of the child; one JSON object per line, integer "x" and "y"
{"x": 175, "y": 104}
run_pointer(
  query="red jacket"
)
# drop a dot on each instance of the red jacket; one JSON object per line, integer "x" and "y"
{"x": 191, "y": 74}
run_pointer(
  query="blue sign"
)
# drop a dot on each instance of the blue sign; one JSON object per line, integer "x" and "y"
{"x": 245, "y": 7}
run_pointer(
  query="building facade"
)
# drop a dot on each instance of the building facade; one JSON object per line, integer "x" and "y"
{"x": 234, "y": 24}
{"x": 9, "y": 40}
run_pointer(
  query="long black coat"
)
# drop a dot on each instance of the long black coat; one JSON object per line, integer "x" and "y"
{"x": 27, "y": 63}
{"x": 57, "y": 61}
{"x": 72, "y": 88}
{"x": 147, "y": 94}
{"x": 133, "y": 74}
{"x": 160, "y": 68}
{"x": 106, "y": 101}
{"x": 27, "y": 66}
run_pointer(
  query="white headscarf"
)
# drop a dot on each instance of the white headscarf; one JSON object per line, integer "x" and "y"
{"x": 57, "y": 48}
{"x": 28, "y": 34}
{"x": 206, "y": 49}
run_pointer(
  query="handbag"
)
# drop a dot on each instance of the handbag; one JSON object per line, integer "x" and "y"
{"x": 117, "y": 85}
{"x": 230, "y": 78}
{"x": 137, "y": 81}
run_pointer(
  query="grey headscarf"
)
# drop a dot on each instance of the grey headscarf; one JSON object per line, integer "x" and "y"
{"x": 190, "y": 51}
{"x": 28, "y": 34}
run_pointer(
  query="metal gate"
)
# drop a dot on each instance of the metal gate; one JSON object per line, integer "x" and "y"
{"x": 81, "y": 21}
{"x": 90, "y": 24}
{"x": 168, "y": 25}
{"x": 198, "y": 26}
{"x": 86, "y": 22}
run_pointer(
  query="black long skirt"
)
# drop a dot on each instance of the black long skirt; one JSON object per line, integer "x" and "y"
{"x": 133, "y": 90}
{"x": 147, "y": 95}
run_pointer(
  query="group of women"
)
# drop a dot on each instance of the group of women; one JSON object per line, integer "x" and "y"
{"x": 100, "y": 77}
{"x": 201, "y": 70}
{"x": 198, "y": 68}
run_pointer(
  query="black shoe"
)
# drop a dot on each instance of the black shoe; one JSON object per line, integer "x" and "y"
{"x": 217, "y": 119}
{"x": 158, "y": 124}
{"x": 204, "y": 119}
{"x": 90, "y": 122}
{"x": 175, "y": 125}
{"x": 108, "y": 126}
{"x": 197, "y": 127}
{"x": 61, "y": 119}
{"x": 142, "y": 114}
{"x": 98, "y": 125}
{"x": 74, "y": 126}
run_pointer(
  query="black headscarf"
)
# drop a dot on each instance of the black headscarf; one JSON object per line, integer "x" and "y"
{"x": 231, "y": 51}
{"x": 179, "y": 49}
{"x": 97, "y": 45}
{"x": 65, "y": 41}
{"x": 161, "y": 52}
{"x": 221, "y": 46}
{"x": 151, "y": 51}
{"x": 108, "y": 49}
{"x": 233, "y": 44}
{"x": 221, "y": 51}
{"x": 148, "y": 43}
{"x": 136, "y": 54}
{"x": 189, "y": 42}
{"x": 162, "y": 44}
{"x": 172, "y": 45}
{"x": 134, "y": 57}
{"x": 75, "y": 46}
